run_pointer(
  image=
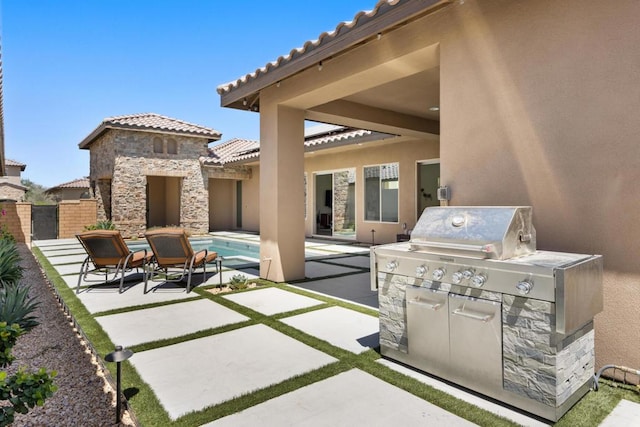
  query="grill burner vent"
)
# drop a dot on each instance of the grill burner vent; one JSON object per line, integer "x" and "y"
{"x": 494, "y": 232}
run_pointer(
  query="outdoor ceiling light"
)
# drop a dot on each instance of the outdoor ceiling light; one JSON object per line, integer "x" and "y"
{"x": 434, "y": 108}
{"x": 320, "y": 66}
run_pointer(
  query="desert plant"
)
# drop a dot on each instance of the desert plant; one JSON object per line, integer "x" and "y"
{"x": 101, "y": 225}
{"x": 238, "y": 281}
{"x": 17, "y": 307}
{"x": 23, "y": 390}
{"x": 10, "y": 270}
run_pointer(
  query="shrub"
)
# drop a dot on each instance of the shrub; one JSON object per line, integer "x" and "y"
{"x": 5, "y": 234}
{"x": 101, "y": 225}
{"x": 24, "y": 390}
{"x": 10, "y": 270}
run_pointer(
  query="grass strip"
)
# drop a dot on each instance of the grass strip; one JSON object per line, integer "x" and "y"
{"x": 143, "y": 401}
{"x": 256, "y": 397}
{"x": 590, "y": 411}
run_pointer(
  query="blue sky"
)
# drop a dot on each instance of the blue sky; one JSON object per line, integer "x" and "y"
{"x": 69, "y": 64}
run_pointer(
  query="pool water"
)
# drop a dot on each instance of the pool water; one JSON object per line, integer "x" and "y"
{"x": 234, "y": 252}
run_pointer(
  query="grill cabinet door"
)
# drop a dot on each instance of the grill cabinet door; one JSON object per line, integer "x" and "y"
{"x": 476, "y": 342}
{"x": 428, "y": 329}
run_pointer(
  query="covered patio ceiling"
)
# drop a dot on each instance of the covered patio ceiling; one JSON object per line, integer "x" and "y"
{"x": 379, "y": 80}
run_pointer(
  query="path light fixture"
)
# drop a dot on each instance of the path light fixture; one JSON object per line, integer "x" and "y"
{"x": 119, "y": 355}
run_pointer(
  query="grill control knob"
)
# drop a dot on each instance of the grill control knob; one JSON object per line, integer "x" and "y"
{"x": 438, "y": 274}
{"x": 524, "y": 287}
{"x": 467, "y": 274}
{"x": 421, "y": 271}
{"x": 391, "y": 266}
{"x": 457, "y": 277}
{"x": 478, "y": 280}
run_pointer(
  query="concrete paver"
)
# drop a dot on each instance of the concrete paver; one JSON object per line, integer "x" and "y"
{"x": 344, "y": 328}
{"x": 351, "y": 398}
{"x": 626, "y": 413}
{"x": 474, "y": 399}
{"x": 228, "y": 365}
{"x": 272, "y": 301}
{"x": 167, "y": 321}
{"x": 106, "y": 297}
{"x": 66, "y": 258}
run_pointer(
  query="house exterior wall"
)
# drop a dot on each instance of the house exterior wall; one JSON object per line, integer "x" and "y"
{"x": 251, "y": 201}
{"x": 222, "y": 202}
{"x": 8, "y": 190}
{"x": 405, "y": 152}
{"x": 13, "y": 173}
{"x": 121, "y": 160}
{"x": 537, "y": 107}
{"x": 69, "y": 194}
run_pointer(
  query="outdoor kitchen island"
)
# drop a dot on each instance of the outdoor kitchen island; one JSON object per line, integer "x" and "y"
{"x": 469, "y": 299}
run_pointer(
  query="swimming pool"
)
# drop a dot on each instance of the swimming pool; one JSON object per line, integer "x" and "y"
{"x": 234, "y": 252}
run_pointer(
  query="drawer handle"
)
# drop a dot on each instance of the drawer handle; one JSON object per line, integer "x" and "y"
{"x": 472, "y": 315}
{"x": 423, "y": 303}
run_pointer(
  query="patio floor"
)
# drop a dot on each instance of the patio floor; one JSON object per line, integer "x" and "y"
{"x": 255, "y": 356}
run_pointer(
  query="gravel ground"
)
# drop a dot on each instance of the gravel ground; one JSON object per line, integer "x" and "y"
{"x": 84, "y": 397}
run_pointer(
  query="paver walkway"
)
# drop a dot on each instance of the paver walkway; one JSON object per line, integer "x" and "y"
{"x": 197, "y": 373}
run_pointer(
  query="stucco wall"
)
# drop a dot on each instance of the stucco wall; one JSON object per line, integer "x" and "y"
{"x": 406, "y": 153}
{"x": 251, "y": 201}
{"x": 222, "y": 202}
{"x": 538, "y": 102}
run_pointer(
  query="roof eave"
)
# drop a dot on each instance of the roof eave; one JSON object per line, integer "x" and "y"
{"x": 86, "y": 143}
{"x": 403, "y": 10}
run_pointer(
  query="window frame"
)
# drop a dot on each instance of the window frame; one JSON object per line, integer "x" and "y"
{"x": 380, "y": 219}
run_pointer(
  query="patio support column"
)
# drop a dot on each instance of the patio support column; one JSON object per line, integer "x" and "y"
{"x": 281, "y": 192}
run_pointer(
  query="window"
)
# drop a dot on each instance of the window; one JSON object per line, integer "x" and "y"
{"x": 381, "y": 185}
{"x": 172, "y": 146}
{"x": 158, "y": 145}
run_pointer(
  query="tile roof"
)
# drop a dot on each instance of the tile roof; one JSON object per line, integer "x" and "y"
{"x": 153, "y": 122}
{"x": 9, "y": 162}
{"x": 394, "y": 12}
{"x": 316, "y": 137}
{"x": 76, "y": 183}
{"x": 234, "y": 150}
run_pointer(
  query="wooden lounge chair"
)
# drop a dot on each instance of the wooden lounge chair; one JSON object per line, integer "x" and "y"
{"x": 108, "y": 253}
{"x": 174, "y": 257}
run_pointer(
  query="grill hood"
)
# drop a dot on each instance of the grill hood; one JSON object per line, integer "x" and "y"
{"x": 493, "y": 232}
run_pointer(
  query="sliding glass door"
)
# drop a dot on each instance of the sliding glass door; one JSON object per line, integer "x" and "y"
{"x": 335, "y": 204}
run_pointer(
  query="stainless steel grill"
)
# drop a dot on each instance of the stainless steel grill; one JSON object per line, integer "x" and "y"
{"x": 470, "y": 299}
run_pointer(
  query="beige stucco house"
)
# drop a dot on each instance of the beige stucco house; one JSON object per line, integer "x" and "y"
{"x": 11, "y": 187}
{"x": 145, "y": 172}
{"x": 72, "y": 190}
{"x": 522, "y": 102}
{"x": 351, "y": 183}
